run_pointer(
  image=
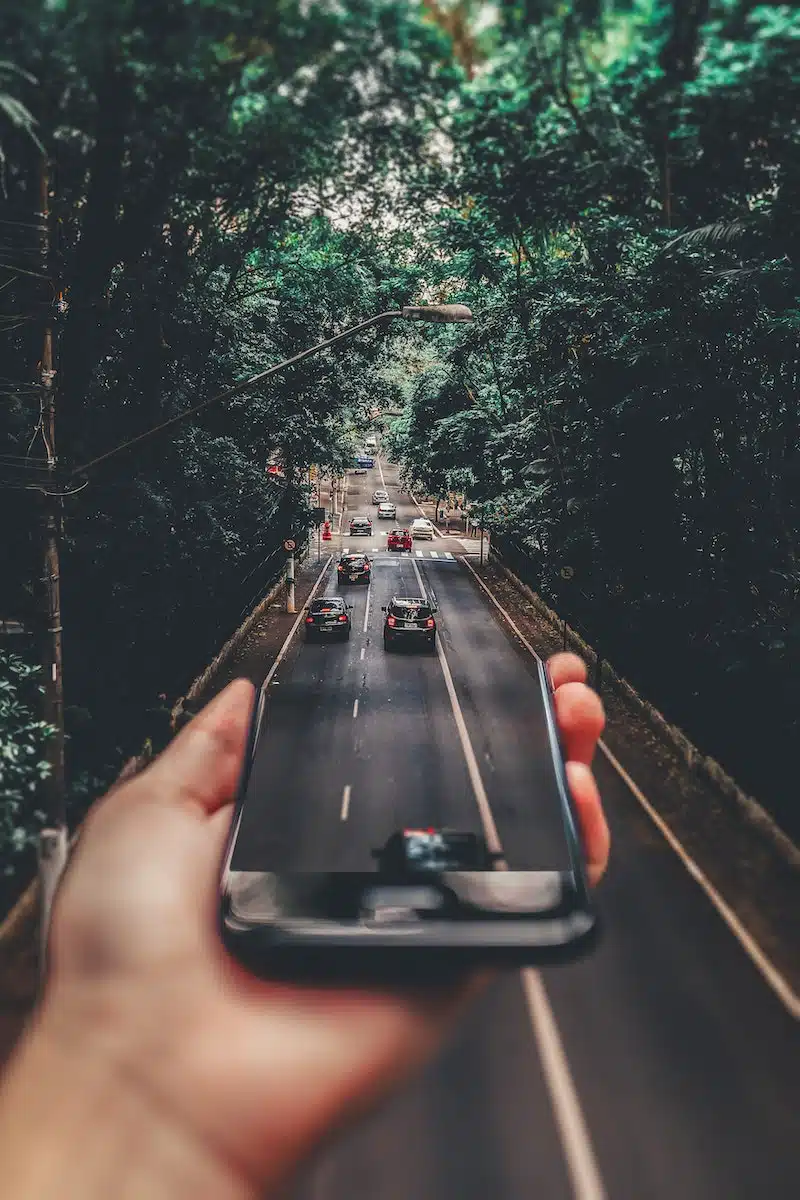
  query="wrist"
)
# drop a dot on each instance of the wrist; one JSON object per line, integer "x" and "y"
{"x": 77, "y": 1121}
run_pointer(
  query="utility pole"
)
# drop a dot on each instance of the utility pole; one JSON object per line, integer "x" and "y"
{"x": 53, "y": 839}
{"x": 290, "y": 596}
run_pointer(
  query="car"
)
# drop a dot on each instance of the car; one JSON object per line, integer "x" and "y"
{"x": 359, "y": 470}
{"x": 399, "y": 539}
{"x": 354, "y": 568}
{"x": 371, "y": 442}
{"x": 360, "y": 526}
{"x": 409, "y": 621}
{"x": 380, "y": 496}
{"x": 387, "y": 511}
{"x": 328, "y": 618}
{"x": 422, "y": 528}
{"x": 416, "y": 851}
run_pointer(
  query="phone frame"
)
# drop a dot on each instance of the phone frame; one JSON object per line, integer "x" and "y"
{"x": 296, "y": 948}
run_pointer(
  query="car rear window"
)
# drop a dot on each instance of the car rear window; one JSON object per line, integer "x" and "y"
{"x": 323, "y": 606}
{"x": 410, "y": 610}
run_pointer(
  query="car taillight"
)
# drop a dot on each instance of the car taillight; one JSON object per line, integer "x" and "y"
{"x": 391, "y": 622}
{"x": 343, "y": 617}
{"x": 430, "y": 623}
{"x": 366, "y": 566}
{"x": 309, "y": 620}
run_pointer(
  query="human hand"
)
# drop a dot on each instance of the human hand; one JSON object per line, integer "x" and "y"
{"x": 235, "y": 1078}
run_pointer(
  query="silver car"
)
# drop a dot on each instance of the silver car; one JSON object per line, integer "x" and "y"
{"x": 387, "y": 512}
{"x": 422, "y": 529}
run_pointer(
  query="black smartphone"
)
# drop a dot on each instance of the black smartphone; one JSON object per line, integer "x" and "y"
{"x": 424, "y": 901}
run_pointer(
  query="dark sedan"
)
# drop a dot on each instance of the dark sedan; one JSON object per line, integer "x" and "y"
{"x": 409, "y": 621}
{"x": 360, "y": 527}
{"x": 415, "y": 851}
{"x": 353, "y": 568}
{"x": 328, "y": 619}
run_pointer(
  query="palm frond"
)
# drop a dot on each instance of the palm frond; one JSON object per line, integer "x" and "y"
{"x": 717, "y": 234}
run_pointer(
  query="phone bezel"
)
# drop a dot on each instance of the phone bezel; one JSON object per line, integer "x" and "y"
{"x": 335, "y": 948}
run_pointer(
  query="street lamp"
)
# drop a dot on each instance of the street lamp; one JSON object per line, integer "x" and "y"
{"x": 438, "y": 313}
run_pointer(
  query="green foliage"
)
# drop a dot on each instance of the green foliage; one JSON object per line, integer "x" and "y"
{"x": 625, "y": 224}
{"x": 23, "y": 764}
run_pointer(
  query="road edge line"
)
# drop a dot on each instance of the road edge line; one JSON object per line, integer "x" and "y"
{"x": 577, "y": 1146}
{"x": 766, "y": 968}
{"x": 293, "y": 630}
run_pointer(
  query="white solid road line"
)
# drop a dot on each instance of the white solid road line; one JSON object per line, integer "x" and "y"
{"x": 293, "y": 630}
{"x": 355, "y": 708}
{"x": 780, "y": 986}
{"x": 492, "y": 836}
{"x": 366, "y": 610}
{"x": 264, "y": 686}
{"x": 363, "y": 652}
{"x": 345, "y": 802}
{"x": 576, "y": 1143}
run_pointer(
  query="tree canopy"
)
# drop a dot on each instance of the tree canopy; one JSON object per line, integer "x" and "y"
{"x": 612, "y": 188}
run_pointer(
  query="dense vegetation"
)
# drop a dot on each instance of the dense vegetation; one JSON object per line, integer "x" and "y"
{"x": 613, "y": 188}
{"x": 624, "y": 216}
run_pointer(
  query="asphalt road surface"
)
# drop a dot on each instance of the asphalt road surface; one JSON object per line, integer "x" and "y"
{"x": 662, "y": 1068}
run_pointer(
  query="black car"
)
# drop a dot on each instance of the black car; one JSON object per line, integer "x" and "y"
{"x": 409, "y": 621}
{"x": 360, "y": 525}
{"x": 354, "y": 568}
{"x": 415, "y": 851}
{"x": 327, "y": 619}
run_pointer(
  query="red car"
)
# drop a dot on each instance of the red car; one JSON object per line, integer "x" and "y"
{"x": 399, "y": 539}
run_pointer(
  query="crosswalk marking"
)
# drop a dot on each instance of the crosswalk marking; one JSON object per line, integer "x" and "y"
{"x": 434, "y": 554}
{"x": 418, "y": 553}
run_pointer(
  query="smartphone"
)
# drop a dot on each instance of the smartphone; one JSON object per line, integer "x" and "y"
{"x": 424, "y": 901}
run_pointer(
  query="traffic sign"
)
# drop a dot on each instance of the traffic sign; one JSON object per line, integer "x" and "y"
{"x": 289, "y": 544}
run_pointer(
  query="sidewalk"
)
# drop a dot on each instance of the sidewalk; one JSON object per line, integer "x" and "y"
{"x": 256, "y": 654}
{"x": 458, "y": 524}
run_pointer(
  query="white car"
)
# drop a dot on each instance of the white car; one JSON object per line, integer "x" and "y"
{"x": 422, "y": 528}
{"x": 387, "y": 512}
{"x": 380, "y": 496}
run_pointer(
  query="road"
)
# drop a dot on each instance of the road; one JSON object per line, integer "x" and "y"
{"x": 684, "y": 1065}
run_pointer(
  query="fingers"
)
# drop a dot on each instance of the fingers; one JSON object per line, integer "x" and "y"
{"x": 202, "y": 765}
{"x": 566, "y": 668}
{"x": 581, "y": 720}
{"x": 594, "y": 828}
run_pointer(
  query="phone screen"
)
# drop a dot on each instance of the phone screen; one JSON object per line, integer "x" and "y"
{"x": 407, "y": 837}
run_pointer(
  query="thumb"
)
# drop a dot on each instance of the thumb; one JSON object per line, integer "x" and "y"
{"x": 202, "y": 765}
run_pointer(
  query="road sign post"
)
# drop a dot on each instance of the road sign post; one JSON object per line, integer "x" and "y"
{"x": 290, "y": 547}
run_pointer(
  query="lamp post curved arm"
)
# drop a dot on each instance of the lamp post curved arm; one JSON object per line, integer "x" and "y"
{"x": 441, "y": 313}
